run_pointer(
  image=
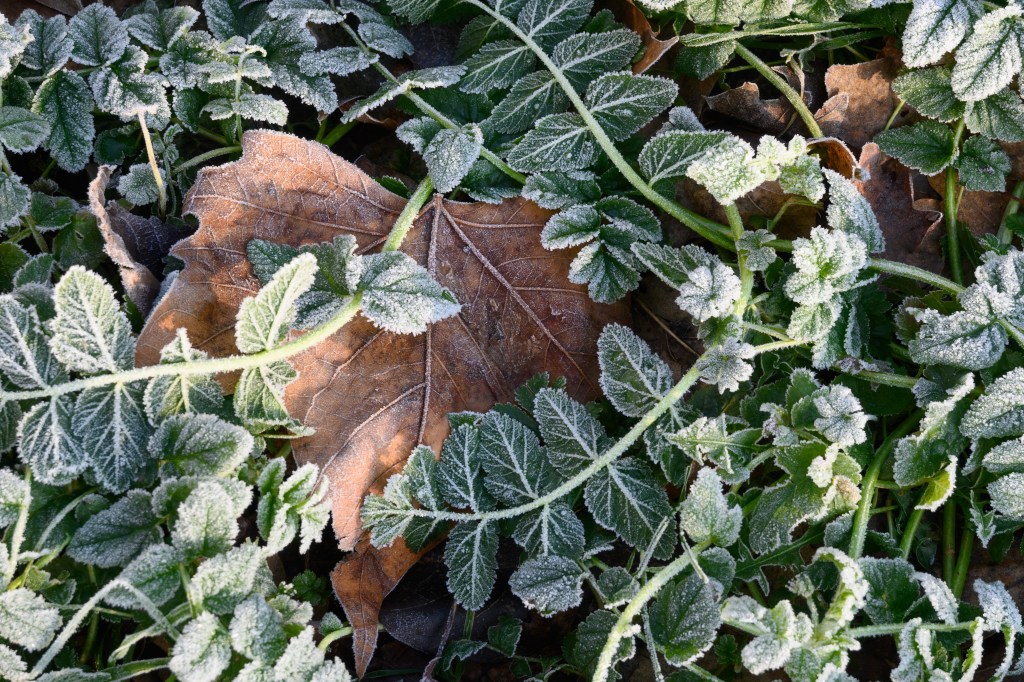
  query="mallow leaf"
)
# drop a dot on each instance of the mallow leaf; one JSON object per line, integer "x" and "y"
{"x": 991, "y": 56}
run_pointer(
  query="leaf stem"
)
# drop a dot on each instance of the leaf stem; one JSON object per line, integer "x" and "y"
{"x": 896, "y": 628}
{"x": 963, "y": 561}
{"x": 18, "y": 532}
{"x": 782, "y": 86}
{"x": 635, "y": 606}
{"x": 408, "y": 215}
{"x": 708, "y": 229}
{"x": 886, "y": 378}
{"x": 867, "y": 491}
{"x": 746, "y": 276}
{"x": 950, "y": 201}
{"x": 907, "y": 542}
{"x": 1005, "y": 234}
{"x": 889, "y": 267}
{"x": 206, "y": 156}
{"x": 948, "y": 541}
{"x": 153, "y": 166}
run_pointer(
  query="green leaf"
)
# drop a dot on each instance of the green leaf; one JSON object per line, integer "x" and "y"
{"x": 572, "y": 436}
{"x": 264, "y": 320}
{"x": 707, "y": 287}
{"x": 547, "y": 22}
{"x": 118, "y": 534}
{"x": 892, "y": 589}
{"x": 991, "y": 56}
{"x": 963, "y": 339}
{"x": 930, "y": 91}
{"x": 415, "y": 11}
{"x": 585, "y": 57}
{"x": 21, "y": 130}
{"x": 14, "y": 198}
{"x": 624, "y": 103}
{"x": 458, "y": 471}
{"x": 206, "y": 523}
{"x": 778, "y": 632}
{"x": 667, "y": 157}
{"x": 727, "y": 170}
{"x": 199, "y": 445}
{"x": 999, "y": 116}
{"x": 633, "y": 377}
{"x": 203, "y": 651}
{"x": 560, "y": 142}
{"x": 935, "y": 28}
{"x": 684, "y": 619}
{"x": 339, "y": 61}
{"x": 705, "y": 514}
{"x": 926, "y": 146}
{"x": 154, "y": 572}
{"x": 25, "y": 358}
{"x": 99, "y": 37}
{"x": 725, "y": 365}
{"x": 517, "y": 467}
{"x": 472, "y": 567}
{"x": 701, "y": 61}
{"x": 625, "y": 497}
{"x": 827, "y": 264}
{"x": 91, "y": 334}
{"x": 223, "y": 582}
{"x": 983, "y": 165}
{"x": 497, "y": 65}
{"x": 450, "y": 154}
{"x": 12, "y": 44}
{"x": 66, "y": 102}
{"x": 532, "y": 97}
{"x": 257, "y": 630}
{"x": 583, "y": 648}
{"x": 285, "y": 41}
{"x": 50, "y": 48}
{"x": 999, "y": 412}
{"x": 13, "y": 492}
{"x": 181, "y": 394}
{"x": 561, "y": 190}
{"x": 111, "y": 427}
{"x": 27, "y": 620}
{"x": 548, "y": 584}
{"x": 554, "y": 529}
{"x": 160, "y": 29}
{"x": 849, "y": 211}
{"x": 504, "y": 637}
{"x": 383, "y": 38}
{"x": 228, "y": 18}
{"x": 48, "y": 444}
{"x": 400, "y": 296}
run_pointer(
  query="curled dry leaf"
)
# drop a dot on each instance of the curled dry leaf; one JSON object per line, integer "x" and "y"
{"x": 860, "y": 101}
{"x": 772, "y": 116}
{"x": 373, "y": 395}
{"x": 629, "y": 14}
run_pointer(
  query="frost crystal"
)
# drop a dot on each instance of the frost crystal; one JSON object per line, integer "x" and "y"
{"x": 935, "y": 27}
{"x": 842, "y": 419}
{"x": 26, "y": 619}
{"x": 725, "y": 365}
{"x": 202, "y": 652}
{"x": 991, "y": 56}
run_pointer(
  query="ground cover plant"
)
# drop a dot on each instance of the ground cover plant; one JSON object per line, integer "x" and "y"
{"x": 669, "y": 340}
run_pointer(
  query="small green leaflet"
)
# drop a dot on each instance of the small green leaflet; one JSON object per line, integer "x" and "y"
{"x": 21, "y": 130}
{"x": 399, "y": 295}
{"x": 50, "y": 48}
{"x": 991, "y": 56}
{"x": 265, "y": 319}
{"x": 930, "y": 91}
{"x": 667, "y": 157}
{"x": 116, "y": 535}
{"x": 999, "y": 116}
{"x": 27, "y": 620}
{"x": 99, "y": 37}
{"x": 472, "y": 566}
{"x": 66, "y": 102}
{"x": 111, "y": 425}
{"x": 48, "y": 444}
{"x": 623, "y": 103}
{"x": 685, "y": 619}
{"x": 25, "y": 358}
{"x": 560, "y": 142}
{"x": 633, "y": 377}
{"x": 983, "y": 165}
{"x": 203, "y": 651}
{"x": 705, "y": 515}
{"x": 91, "y": 334}
{"x": 549, "y": 584}
{"x": 926, "y": 146}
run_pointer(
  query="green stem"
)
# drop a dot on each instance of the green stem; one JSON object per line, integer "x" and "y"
{"x": 18, "y": 532}
{"x": 337, "y": 133}
{"x": 334, "y": 636}
{"x": 206, "y": 156}
{"x": 746, "y": 276}
{"x": 907, "y": 543}
{"x": 708, "y": 229}
{"x": 896, "y": 628}
{"x": 237, "y": 362}
{"x": 1005, "y": 235}
{"x": 887, "y": 378}
{"x": 153, "y": 166}
{"x": 952, "y": 232}
{"x": 127, "y": 671}
{"x": 963, "y": 561}
{"x": 948, "y": 542}
{"x": 867, "y": 494}
{"x": 635, "y": 606}
{"x": 889, "y": 267}
{"x": 782, "y": 86}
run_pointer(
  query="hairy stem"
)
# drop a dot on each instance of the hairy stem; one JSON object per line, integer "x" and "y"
{"x": 746, "y": 276}
{"x": 963, "y": 561}
{"x": 18, "y": 532}
{"x": 206, "y": 156}
{"x": 405, "y": 219}
{"x": 636, "y": 605}
{"x": 153, "y": 166}
{"x": 127, "y": 671}
{"x": 867, "y": 490}
{"x": 889, "y": 267}
{"x": 782, "y": 86}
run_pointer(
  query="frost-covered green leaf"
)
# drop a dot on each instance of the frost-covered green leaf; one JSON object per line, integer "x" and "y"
{"x": 517, "y": 468}
{"x": 498, "y": 64}
{"x": 892, "y": 589}
{"x": 203, "y": 651}
{"x": 111, "y": 425}
{"x": 226, "y": 580}
{"x": 199, "y": 445}
{"x": 554, "y": 529}
{"x": 710, "y": 440}
{"x": 228, "y": 18}
{"x": 21, "y": 130}
{"x": 561, "y": 190}
{"x": 181, "y": 394}
{"x": 850, "y": 212}
{"x": 90, "y": 332}
{"x": 926, "y": 146}
{"x": 930, "y": 91}
{"x": 206, "y": 523}
{"x": 626, "y": 498}
{"x": 727, "y": 170}
{"x": 469, "y": 555}
{"x": 1000, "y": 411}
{"x": 400, "y": 296}
{"x": 119, "y": 533}
{"x": 705, "y": 514}
{"x": 98, "y": 36}
{"x": 707, "y": 287}
{"x": 991, "y": 56}
{"x": 257, "y": 630}
{"x": 802, "y": 177}
{"x": 827, "y": 264}
{"x": 586, "y": 56}
{"x": 285, "y": 41}
{"x": 25, "y": 357}
{"x": 983, "y": 165}
{"x": 291, "y": 506}
{"x": 667, "y": 157}
{"x": 14, "y": 199}
{"x": 265, "y": 319}
{"x": 559, "y": 142}
{"x": 160, "y": 29}
{"x": 999, "y": 116}
{"x": 50, "y": 48}
{"x": 138, "y": 185}
{"x": 48, "y": 443}
{"x": 963, "y": 339}
{"x": 383, "y": 38}
{"x": 779, "y": 632}
{"x": 459, "y": 478}
{"x": 548, "y": 584}
{"x": 339, "y": 61}
{"x": 548, "y": 22}
{"x": 154, "y": 572}
{"x": 935, "y": 28}
{"x": 13, "y": 491}
{"x": 725, "y": 365}
{"x": 939, "y": 595}
{"x": 685, "y": 619}
{"x": 450, "y": 154}
{"x": 66, "y": 102}
{"x": 572, "y": 436}
{"x": 633, "y": 377}
{"x": 623, "y": 103}
{"x": 841, "y": 419}
{"x": 754, "y": 247}
{"x": 26, "y": 619}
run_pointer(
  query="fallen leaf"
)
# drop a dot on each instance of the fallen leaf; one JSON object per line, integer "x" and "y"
{"x": 137, "y": 245}
{"x": 628, "y": 14}
{"x": 913, "y": 229}
{"x": 835, "y": 155}
{"x": 860, "y": 101}
{"x": 361, "y": 581}
{"x": 745, "y": 103}
{"x": 982, "y": 212}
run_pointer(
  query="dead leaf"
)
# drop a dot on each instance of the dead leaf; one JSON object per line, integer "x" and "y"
{"x": 835, "y": 155}
{"x": 139, "y": 283}
{"x": 627, "y": 13}
{"x": 982, "y": 212}
{"x": 361, "y": 581}
{"x": 860, "y": 101}
{"x": 913, "y": 229}
{"x": 773, "y": 116}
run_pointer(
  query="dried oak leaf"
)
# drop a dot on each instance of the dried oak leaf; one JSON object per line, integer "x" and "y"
{"x": 860, "y": 101}
{"x": 772, "y": 116}
{"x": 372, "y": 395}
{"x": 628, "y": 14}
{"x": 913, "y": 229}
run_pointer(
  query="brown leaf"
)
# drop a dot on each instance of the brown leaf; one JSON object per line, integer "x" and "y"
{"x": 372, "y": 395}
{"x": 913, "y": 229}
{"x": 627, "y": 13}
{"x": 982, "y": 212}
{"x": 860, "y": 100}
{"x": 140, "y": 284}
{"x": 835, "y": 155}
{"x": 773, "y": 116}
{"x": 361, "y": 581}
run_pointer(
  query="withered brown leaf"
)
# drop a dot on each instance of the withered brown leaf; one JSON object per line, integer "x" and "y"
{"x": 373, "y": 395}
{"x": 860, "y": 101}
